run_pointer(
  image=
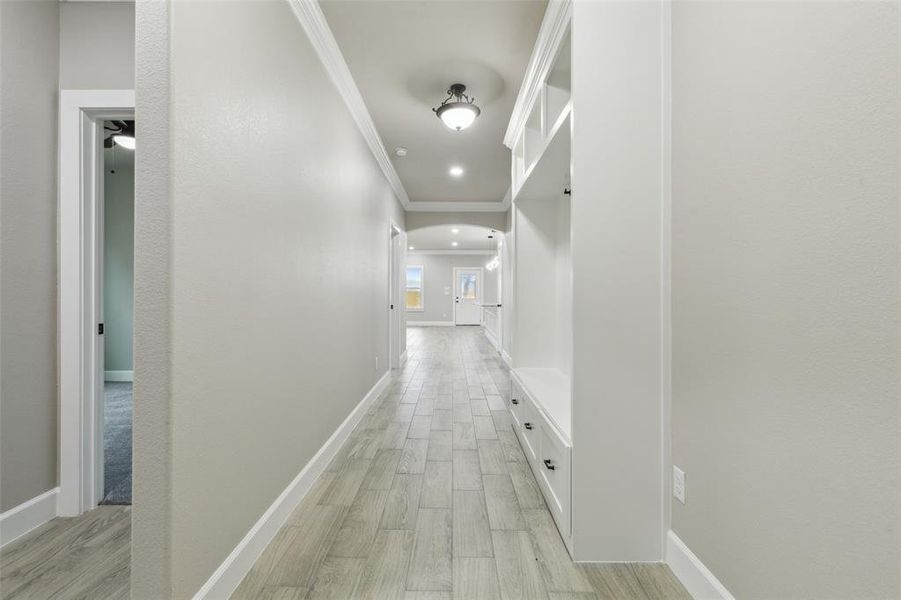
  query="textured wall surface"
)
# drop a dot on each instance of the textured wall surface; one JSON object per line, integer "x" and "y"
{"x": 276, "y": 229}
{"x": 786, "y": 120}
{"x": 29, "y": 53}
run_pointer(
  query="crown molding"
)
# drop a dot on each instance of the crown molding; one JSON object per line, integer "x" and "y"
{"x": 553, "y": 27}
{"x": 458, "y": 206}
{"x": 451, "y": 252}
{"x": 311, "y": 18}
{"x": 508, "y": 198}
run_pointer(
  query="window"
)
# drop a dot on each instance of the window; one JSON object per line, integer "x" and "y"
{"x": 414, "y": 288}
{"x": 468, "y": 286}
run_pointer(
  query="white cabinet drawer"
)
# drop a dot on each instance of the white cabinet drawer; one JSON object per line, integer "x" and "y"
{"x": 517, "y": 404}
{"x": 526, "y": 427}
{"x": 530, "y": 428}
{"x": 554, "y": 466}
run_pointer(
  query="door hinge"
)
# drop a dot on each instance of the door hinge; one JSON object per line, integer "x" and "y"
{"x": 99, "y": 328}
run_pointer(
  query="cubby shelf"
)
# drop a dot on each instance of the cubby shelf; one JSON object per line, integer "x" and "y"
{"x": 542, "y": 349}
{"x": 585, "y": 249}
{"x": 548, "y": 175}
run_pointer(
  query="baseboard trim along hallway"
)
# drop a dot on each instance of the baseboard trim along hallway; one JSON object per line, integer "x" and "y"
{"x": 700, "y": 582}
{"x": 236, "y": 565}
{"x": 118, "y": 375}
{"x": 29, "y": 515}
{"x": 430, "y": 323}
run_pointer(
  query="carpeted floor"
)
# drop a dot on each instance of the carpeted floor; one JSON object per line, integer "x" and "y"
{"x": 117, "y": 442}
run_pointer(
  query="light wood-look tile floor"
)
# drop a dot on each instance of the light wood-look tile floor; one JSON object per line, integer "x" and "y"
{"x": 83, "y": 557}
{"x": 431, "y": 498}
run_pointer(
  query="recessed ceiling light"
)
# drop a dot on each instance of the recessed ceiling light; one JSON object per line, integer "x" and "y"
{"x": 454, "y": 244}
{"x": 456, "y": 170}
{"x": 412, "y": 248}
{"x": 455, "y": 230}
{"x": 400, "y": 151}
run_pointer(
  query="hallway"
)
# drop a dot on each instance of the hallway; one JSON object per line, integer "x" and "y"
{"x": 432, "y": 498}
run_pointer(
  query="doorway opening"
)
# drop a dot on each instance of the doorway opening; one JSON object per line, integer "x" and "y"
{"x": 117, "y": 308}
{"x": 455, "y": 275}
{"x": 95, "y": 443}
{"x": 397, "y": 345}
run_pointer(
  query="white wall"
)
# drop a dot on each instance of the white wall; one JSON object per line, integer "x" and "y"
{"x": 439, "y": 284}
{"x": 616, "y": 248}
{"x": 96, "y": 45}
{"x": 785, "y": 282}
{"x": 262, "y": 252}
{"x": 29, "y": 54}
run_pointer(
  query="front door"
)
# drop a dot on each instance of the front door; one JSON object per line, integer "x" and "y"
{"x": 467, "y": 296}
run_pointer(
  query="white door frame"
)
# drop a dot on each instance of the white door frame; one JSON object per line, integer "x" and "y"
{"x": 479, "y": 295}
{"x": 81, "y": 116}
{"x": 396, "y": 260}
{"x": 499, "y": 274}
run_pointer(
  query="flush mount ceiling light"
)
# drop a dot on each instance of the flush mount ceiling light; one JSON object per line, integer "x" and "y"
{"x": 412, "y": 248}
{"x": 400, "y": 151}
{"x": 455, "y": 244}
{"x": 455, "y": 230}
{"x": 458, "y": 110}
{"x": 456, "y": 172}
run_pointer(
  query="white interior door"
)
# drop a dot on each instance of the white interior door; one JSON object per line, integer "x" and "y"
{"x": 395, "y": 268}
{"x": 467, "y": 296}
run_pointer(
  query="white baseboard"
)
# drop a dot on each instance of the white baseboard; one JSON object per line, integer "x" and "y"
{"x": 29, "y": 515}
{"x": 492, "y": 339}
{"x": 507, "y": 358}
{"x": 238, "y": 563}
{"x": 430, "y": 323}
{"x": 697, "y": 578}
{"x": 119, "y": 375}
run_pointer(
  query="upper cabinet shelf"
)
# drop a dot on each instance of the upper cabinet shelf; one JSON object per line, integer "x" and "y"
{"x": 547, "y": 119}
{"x": 548, "y": 175}
{"x": 558, "y": 86}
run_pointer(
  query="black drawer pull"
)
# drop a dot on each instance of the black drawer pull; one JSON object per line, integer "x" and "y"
{"x": 514, "y": 401}
{"x": 549, "y": 464}
{"x": 527, "y": 425}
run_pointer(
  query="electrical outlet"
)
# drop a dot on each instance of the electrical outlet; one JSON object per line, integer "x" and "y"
{"x": 679, "y": 484}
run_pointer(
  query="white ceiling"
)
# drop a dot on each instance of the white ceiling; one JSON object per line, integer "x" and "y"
{"x": 404, "y": 54}
{"x": 440, "y": 237}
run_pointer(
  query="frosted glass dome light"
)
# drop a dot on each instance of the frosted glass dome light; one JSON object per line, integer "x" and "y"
{"x": 458, "y": 111}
